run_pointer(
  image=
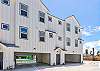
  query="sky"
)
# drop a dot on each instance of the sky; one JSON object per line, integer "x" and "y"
{"x": 86, "y": 11}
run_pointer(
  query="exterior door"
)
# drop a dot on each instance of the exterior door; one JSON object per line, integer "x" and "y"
{"x": 15, "y": 59}
{"x": 1, "y": 60}
{"x": 57, "y": 59}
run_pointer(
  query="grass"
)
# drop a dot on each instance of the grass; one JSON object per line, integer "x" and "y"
{"x": 25, "y": 61}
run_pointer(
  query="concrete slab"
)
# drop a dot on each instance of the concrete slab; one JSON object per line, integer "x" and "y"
{"x": 87, "y": 66}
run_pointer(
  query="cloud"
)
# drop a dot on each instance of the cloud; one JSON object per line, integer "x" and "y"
{"x": 88, "y": 30}
{"x": 90, "y": 45}
{"x": 86, "y": 33}
{"x": 97, "y": 28}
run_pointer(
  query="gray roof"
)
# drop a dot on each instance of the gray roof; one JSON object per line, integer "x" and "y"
{"x": 9, "y": 45}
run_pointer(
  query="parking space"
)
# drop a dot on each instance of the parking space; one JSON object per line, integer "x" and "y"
{"x": 87, "y": 66}
{"x": 72, "y": 58}
{"x": 31, "y": 59}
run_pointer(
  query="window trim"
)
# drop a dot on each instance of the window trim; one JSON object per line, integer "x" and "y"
{"x": 43, "y": 36}
{"x": 68, "y": 26}
{"x": 23, "y": 10}
{"x": 2, "y": 24}
{"x": 59, "y": 38}
{"x": 50, "y": 35}
{"x": 80, "y": 41}
{"x": 41, "y": 16}
{"x": 76, "y": 40}
{"x": 79, "y": 30}
{"x": 59, "y": 22}
{"x": 76, "y": 30}
{"x": 2, "y": 1}
{"x": 23, "y": 33}
{"x": 49, "y": 18}
{"x": 68, "y": 40}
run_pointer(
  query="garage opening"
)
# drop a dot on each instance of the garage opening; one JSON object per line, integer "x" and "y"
{"x": 24, "y": 59}
{"x": 1, "y": 60}
{"x": 72, "y": 58}
{"x": 31, "y": 59}
{"x": 43, "y": 58}
{"x": 57, "y": 59}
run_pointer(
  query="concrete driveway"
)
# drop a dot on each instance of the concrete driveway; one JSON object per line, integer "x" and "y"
{"x": 87, "y": 66}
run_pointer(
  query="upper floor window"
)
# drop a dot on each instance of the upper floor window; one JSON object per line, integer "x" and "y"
{"x": 68, "y": 41}
{"x": 42, "y": 36}
{"x": 79, "y": 30}
{"x": 23, "y": 9}
{"x": 76, "y": 30}
{"x": 6, "y": 2}
{"x": 68, "y": 27}
{"x": 80, "y": 41}
{"x": 41, "y": 16}
{"x": 76, "y": 43}
{"x": 23, "y": 32}
{"x": 4, "y": 26}
{"x": 59, "y": 22}
{"x": 59, "y": 38}
{"x": 49, "y": 18}
{"x": 50, "y": 35}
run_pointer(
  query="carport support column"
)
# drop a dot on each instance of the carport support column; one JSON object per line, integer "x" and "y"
{"x": 81, "y": 58}
{"x": 62, "y": 58}
{"x": 53, "y": 58}
{"x": 8, "y": 58}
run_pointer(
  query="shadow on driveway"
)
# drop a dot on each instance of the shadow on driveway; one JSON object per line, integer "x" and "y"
{"x": 40, "y": 66}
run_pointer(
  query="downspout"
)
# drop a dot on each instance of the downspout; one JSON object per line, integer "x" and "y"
{"x": 14, "y": 29}
{"x": 64, "y": 34}
{"x": 14, "y": 21}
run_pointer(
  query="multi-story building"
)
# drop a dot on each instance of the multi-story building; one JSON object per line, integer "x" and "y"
{"x": 28, "y": 28}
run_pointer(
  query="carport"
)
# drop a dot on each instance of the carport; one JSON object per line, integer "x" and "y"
{"x": 22, "y": 58}
{"x": 31, "y": 58}
{"x": 43, "y": 58}
{"x": 72, "y": 58}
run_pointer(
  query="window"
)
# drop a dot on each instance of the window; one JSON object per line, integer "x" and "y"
{"x": 41, "y": 16}
{"x": 23, "y": 9}
{"x": 4, "y": 26}
{"x": 79, "y": 30}
{"x": 42, "y": 36}
{"x": 6, "y": 2}
{"x": 76, "y": 30}
{"x": 23, "y": 32}
{"x": 49, "y": 18}
{"x": 59, "y": 38}
{"x": 68, "y": 41}
{"x": 59, "y": 22}
{"x": 76, "y": 43}
{"x": 68, "y": 27}
{"x": 80, "y": 41}
{"x": 50, "y": 35}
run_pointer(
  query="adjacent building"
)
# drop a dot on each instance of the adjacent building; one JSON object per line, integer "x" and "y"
{"x": 28, "y": 28}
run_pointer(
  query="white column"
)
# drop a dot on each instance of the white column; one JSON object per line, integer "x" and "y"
{"x": 81, "y": 58}
{"x": 53, "y": 58}
{"x": 62, "y": 58}
{"x": 8, "y": 59}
